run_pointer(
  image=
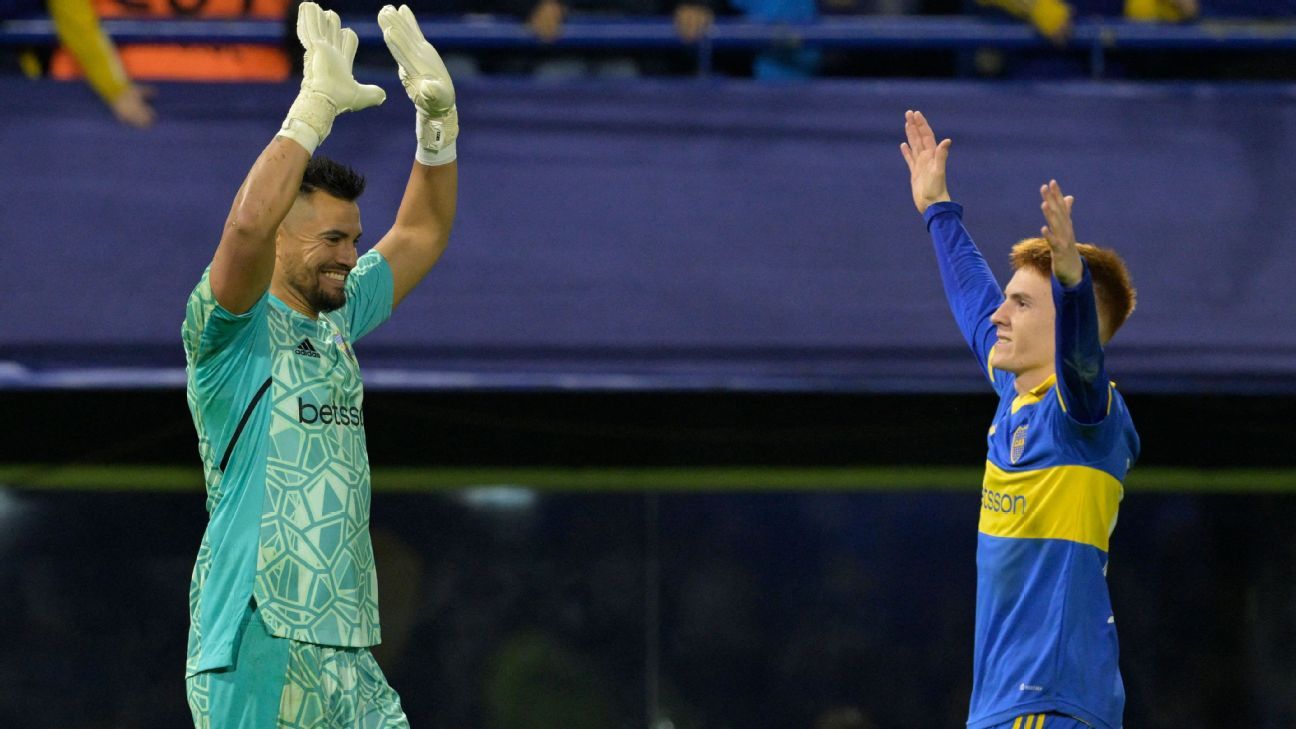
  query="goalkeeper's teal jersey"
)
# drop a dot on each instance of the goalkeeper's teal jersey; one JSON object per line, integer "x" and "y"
{"x": 278, "y": 405}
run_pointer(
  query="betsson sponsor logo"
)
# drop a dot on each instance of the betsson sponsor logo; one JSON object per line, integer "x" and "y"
{"x": 1001, "y": 502}
{"x": 329, "y": 414}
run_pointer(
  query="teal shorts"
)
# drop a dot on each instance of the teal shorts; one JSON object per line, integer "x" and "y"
{"x": 277, "y": 683}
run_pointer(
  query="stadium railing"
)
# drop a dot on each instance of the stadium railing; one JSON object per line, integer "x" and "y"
{"x": 1097, "y": 38}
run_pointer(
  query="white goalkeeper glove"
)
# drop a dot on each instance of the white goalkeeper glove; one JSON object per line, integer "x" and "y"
{"x": 327, "y": 87}
{"x": 426, "y": 81}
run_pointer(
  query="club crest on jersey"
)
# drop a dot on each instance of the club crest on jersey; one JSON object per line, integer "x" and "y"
{"x": 342, "y": 345}
{"x": 1018, "y": 444}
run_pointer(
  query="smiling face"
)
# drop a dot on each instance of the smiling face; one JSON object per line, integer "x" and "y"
{"x": 315, "y": 250}
{"x": 1024, "y": 323}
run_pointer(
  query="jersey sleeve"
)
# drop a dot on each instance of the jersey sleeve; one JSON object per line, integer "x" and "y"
{"x": 970, "y": 286}
{"x": 209, "y": 328}
{"x": 1082, "y": 378}
{"x": 369, "y": 291}
{"x": 78, "y": 27}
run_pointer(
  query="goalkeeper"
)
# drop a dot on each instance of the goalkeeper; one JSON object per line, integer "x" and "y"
{"x": 283, "y": 601}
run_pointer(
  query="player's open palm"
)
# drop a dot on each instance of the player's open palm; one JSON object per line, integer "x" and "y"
{"x": 926, "y": 160}
{"x": 330, "y": 52}
{"x": 422, "y": 72}
{"x": 1060, "y": 233}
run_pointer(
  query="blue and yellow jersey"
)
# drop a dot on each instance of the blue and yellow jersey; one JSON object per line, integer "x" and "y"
{"x": 1057, "y": 455}
{"x": 278, "y": 405}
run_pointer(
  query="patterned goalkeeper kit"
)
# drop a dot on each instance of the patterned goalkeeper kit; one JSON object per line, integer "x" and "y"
{"x": 278, "y": 405}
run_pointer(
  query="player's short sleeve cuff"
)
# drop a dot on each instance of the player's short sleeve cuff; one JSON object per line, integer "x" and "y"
{"x": 223, "y": 314}
{"x": 370, "y": 291}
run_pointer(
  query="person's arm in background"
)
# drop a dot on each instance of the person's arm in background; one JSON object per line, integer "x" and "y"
{"x": 1052, "y": 18}
{"x": 78, "y": 28}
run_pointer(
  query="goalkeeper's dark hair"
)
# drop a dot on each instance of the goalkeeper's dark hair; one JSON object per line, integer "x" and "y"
{"x": 338, "y": 180}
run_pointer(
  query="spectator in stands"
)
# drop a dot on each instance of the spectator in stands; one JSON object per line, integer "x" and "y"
{"x": 802, "y": 61}
{"x": 546, "y": 18}
{"x": 79, "y": 30}
{"x": 1054, "y": 18}
{"x": 792, "y": 62}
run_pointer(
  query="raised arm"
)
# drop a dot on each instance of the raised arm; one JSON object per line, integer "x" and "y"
{"x": 926, "y": 160}
{"x": 244, "y": 259}
{"x": 1082, "y": 378}
{"x": 427, "y": 210}
{"x": 78, "y": 28}
{"x": 969, "y": 284}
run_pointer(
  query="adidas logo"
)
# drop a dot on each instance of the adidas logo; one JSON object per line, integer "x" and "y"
{"x": 306, "y": 349}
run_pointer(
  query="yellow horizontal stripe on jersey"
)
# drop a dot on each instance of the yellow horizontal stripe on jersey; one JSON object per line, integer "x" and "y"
{"x": 1076, "y": 503}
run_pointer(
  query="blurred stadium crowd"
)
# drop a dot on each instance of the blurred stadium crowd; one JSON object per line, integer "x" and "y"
{"x": 119, "y": 73}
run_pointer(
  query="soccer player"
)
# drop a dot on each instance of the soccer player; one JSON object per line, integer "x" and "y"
{"x": 1059, "y": 447}
{"x": 283, "y": 602}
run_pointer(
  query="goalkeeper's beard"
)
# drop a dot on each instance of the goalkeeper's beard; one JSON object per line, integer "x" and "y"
{"x": 307, "y": 283}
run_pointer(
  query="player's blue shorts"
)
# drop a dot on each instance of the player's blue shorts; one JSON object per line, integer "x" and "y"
{"x": 277, "y": 683}
{"x": 1046, "y": 720}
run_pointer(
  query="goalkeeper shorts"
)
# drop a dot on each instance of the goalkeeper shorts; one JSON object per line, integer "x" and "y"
{"x": 277, "y": 683}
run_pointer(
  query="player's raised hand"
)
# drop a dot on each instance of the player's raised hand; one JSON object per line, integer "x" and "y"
{"x": 1060, "y": 233}
{"x": 926, "y": 160}
{"x": 422, "y": 72}
{"x": 327, "y": 87}
{"x": 426, "y": 81}
{"x": 330, "y": 52}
